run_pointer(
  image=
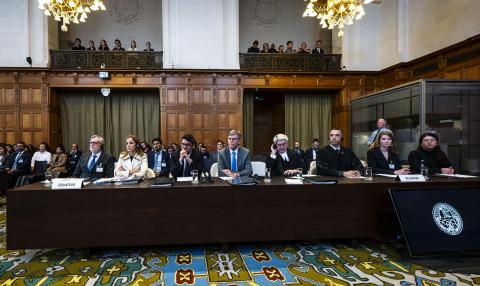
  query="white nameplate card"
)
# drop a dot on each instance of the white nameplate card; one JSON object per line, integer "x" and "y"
{"x": 411, "y": 178}
{"x": 66, "y": 184}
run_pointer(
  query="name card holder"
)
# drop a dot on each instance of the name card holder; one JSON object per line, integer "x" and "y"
{"x": 411, "y": 178}
{"x": 67, "y": 184}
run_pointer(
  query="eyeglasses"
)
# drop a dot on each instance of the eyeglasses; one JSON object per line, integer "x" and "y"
{"x": 233, "y": 138}
{"x": 91, "y": 142}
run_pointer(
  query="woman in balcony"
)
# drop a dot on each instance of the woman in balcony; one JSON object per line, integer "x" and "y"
{"x": 103, "y": 46}
{"x": 133, "y": 46}
{"x": 91, "y": 46}
{"x": 265, "y": 48}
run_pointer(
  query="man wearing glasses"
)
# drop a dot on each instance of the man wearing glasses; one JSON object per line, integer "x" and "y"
{"x": 283, "y": 161}
{"x": 187, "y": 158}
{"x": 95, "y": 164}
{"x": 234, "y": 161}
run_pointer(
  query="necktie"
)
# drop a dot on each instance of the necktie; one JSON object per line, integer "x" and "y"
{"x": 156, "y": 161}
{"x": 92, "y": 163}
{"x": 234, "y": 161}
{"x": 16, "y": 160}
{"x": 184, "y": 167}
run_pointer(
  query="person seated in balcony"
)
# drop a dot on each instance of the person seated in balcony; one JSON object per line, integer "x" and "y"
{"x": 303, "y": 49}
{"x": 77, "y": 45}
{"x": 272, "y": 49}
{"x": 254, "y": 48}
{"x": 289, "y": 49}
{"x": 265, "y": 48}
{"x": 91, "y": 46}
{"x": 281, "y": 49}
{"x": 318, "y": 48}
{"x": 103, "y": 46}
{"x": 148, "y": 47}
{"x": 118, "y": 46}
{"x": 133, "y": 46}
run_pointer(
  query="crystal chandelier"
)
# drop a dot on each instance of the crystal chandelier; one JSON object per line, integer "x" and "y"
{"x": 335, "y": 12}
{"x": 70, "y": 11}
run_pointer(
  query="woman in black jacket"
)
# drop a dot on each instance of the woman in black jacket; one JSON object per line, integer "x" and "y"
{"x": 432, "y": 156}
{"x": 383, "y": 157}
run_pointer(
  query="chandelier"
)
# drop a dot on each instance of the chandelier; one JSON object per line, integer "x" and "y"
{"x": 69, "y": 11}
{"x": 335, "y": 12}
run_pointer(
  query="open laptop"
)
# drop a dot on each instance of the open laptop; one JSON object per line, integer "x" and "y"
{"x": 439, "y": 221}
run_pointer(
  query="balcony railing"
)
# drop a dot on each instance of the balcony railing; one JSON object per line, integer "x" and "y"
{"x": 60, "y": 59}
{"x": 290, "y": 62}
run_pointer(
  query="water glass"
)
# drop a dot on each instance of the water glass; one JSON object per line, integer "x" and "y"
{"x": 368, "y": 174}
{"x": 300, "y": 173}
{"x": 424, "y": 172}
{"x": 195, "y": 176}
{"x": 268, "y": 175}
{"x": 48, "y": 178}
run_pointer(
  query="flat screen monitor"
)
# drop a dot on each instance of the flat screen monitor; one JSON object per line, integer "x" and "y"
{"x": 438, "y": 221}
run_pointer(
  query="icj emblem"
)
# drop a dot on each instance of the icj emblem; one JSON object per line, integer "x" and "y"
{"x": 447, "y": 218}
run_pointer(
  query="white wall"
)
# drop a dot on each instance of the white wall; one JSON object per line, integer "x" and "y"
{"x": 23, "y": 33}
{"x": 278, "y": 21}
{"x": 200, "y": 34}
{"x": 126, "y": 20}
{"x": 398, "y": 31}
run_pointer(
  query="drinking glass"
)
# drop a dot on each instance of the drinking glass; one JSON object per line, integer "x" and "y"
{"x": 195, "y": 176}
{"x": 424, "y": 172}
{"x": 268, "y": 175}
{"x": 368, "y": 174}
{"x": 300, "y": 173}
{"x": 48, "y": 178}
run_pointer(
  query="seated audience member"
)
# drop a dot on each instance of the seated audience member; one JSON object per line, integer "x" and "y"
{"x": 73, "y": 157}
{"x": 199, "y": 146}
{"x": 103, "y": 46}
{"x": 158, "y": 159}
{"x": 432, "y": 156}
{"x": 58, "y": 163}
{"x": 214, "y": 155}
{"x": 298, "y": 149}
{"x": 118, "y": 46}
{"x": 383, "y": 157}
{"x": 318, "y": 48}
{"x": 175, "y": 146}
{"x": 207, "y": 159}
{"x": 187, "y": 158}
{"x": 282, "y": 160}
{"x": 9, "y": 149}
{"x": 146, "y": 147}
{"x": 133, "y": 46}
{"x": 21, "y": 164}
{"x": 336, "y": 160}
{"x": 41, "y": 155}
{"x": 170, "y": 152}
{"x": 77, "y": 45}
{"x": 265, "y": 48}
{"x": 281, "y": 49}
{"x": 254, "y": 48}
{"x": 132, "y": 162}
{"x": 95, "y": 164}
{"x": 312, "y": 153}
{"x": 148, "y": 47}
{"x": 381, "y": 126}
{"x": 4, "y": 157}
{"x": 303, "y": 49}
{"x": 272, "y": 49}
{"x": 289, "y": 49}
{"x": 91, "y": 46}
{"x": 234, "y": 161}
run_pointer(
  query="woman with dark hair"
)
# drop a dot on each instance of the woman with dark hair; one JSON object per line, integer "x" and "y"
{"x": 383, "y": 157}
{"x": 9, "y": 149}
{"x": 430, "y": 154}
{"x": 91, "y": 46}
{"x": 265, "y": 48}
{"x": 103, "y": 46}
{"x": 58, "y": 162}
{"x": 3, "y": 158}
{"x": 146, "y": 147}
{"x": 133, "y": 46}
{"x": 132, "y": 162}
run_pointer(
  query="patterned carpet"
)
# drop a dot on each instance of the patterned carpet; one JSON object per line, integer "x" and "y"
{"x": 370, "y": 263}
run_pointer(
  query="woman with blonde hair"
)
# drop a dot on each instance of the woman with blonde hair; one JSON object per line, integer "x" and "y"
{"x": 133, "y": 162}
{"x": 383, "y": 157}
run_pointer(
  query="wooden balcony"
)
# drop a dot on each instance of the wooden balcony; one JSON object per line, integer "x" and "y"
{"x": 290, "y": 62}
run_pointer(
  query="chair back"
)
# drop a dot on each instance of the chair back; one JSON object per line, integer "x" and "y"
{"x": 259, "y": 168}
{"x": 313, "y": 170}
{"x": 40, "y": 167}
{"x": 214, "y": 170}
{"x": 313, "y": 164}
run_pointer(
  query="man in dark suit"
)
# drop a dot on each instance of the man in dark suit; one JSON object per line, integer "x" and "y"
{"x": 298, "y": 149}
{"x": 158, "y": 160}
{"x": 283, "y": 161}
{"x": 318, "y": 48}
{"x": 73, "y": 158}
{"x": 214, "y": 155}
{"x": 95, "y": 164}
{"x": 234, "y": 161}
{"x": 187, "y": 158}
{"x": 312, "y": 153}
{"x": 336, "y": 160}
{"x": 21, "y": 164}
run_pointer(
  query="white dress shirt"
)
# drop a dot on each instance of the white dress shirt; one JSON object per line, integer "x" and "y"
{"x": 41, "y": 156}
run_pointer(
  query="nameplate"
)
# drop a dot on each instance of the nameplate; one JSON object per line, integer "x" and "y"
{"x": 411, "y": 178}
{"x": 67, "y": 184}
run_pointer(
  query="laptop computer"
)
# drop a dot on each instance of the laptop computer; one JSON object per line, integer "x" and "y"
{"x": 439, "y": 221}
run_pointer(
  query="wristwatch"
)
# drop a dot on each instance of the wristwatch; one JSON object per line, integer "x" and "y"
{"x": 340, "y": 173}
